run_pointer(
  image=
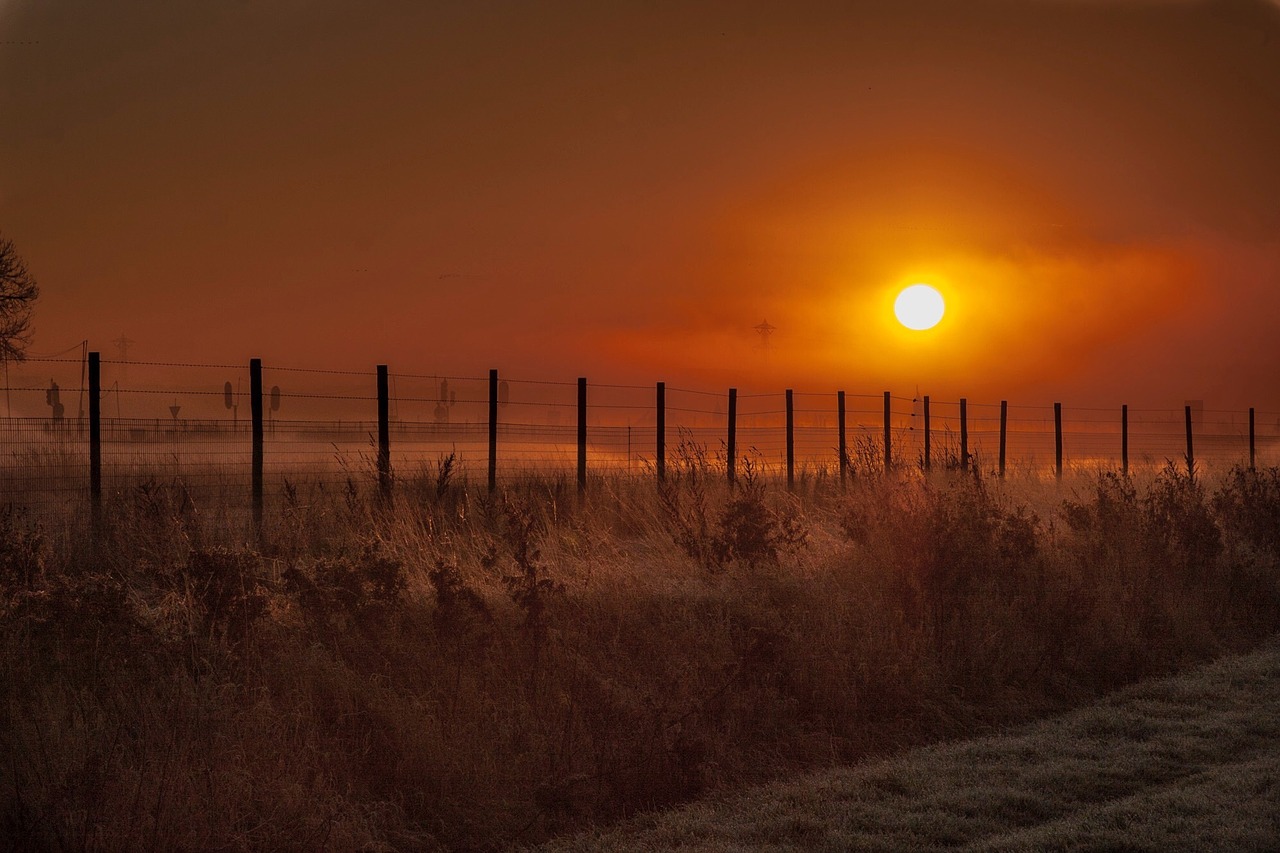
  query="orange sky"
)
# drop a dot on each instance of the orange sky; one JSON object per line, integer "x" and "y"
{"x": 625, "y": 190}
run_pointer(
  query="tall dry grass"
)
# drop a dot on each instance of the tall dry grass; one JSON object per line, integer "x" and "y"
{"x": 459, "y": 670}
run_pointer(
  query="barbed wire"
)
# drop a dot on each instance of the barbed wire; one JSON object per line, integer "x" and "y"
{"x": 435, "y": 376}
{"x": 724, "y": 393}
{"x": 170, "y": 364}
{"x": 162, "y": 392}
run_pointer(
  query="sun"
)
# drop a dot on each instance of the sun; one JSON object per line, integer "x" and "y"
{"x": 919, "y": 307}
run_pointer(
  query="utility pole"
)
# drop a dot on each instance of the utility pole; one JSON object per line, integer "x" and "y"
{"x": 764, "y": 330}
{"x": 122, "y": 346}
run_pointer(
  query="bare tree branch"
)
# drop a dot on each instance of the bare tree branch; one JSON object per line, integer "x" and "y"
{"x": 18, "y": 293}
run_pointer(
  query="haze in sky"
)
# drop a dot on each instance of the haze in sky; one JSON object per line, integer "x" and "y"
{"x": 624, "y": 190}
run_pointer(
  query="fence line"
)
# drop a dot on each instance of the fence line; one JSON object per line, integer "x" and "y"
{"x": 400, "y": 422}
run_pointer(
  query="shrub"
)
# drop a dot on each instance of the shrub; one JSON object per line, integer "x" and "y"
{"x": 1107, "y": 524}
{"x": 336, "y": 592}
{"x": 968, "y": 571}
{"x": 229, "y": 590}
{"x": 744, "y": 528}
{"x": 1179, "y": 527}
{"x": 749, "y": 530}
{"x": 1247, "y": 506}
{"x": 74, "y": 626}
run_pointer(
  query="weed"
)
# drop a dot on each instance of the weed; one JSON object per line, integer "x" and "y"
{"x": 867, "y": 456}
{"x": 528, "y": 587}
{"x": 683, "y": 496}
{"x": 445, "y": 470}
{"x": 23, "y": 553}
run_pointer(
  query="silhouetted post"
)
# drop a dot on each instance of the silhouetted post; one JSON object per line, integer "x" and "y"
{"x": 493, "y": 429}
{"x": 843, "y": 445}
{"x": 1004, "y": 432}
{"x": 964, "y": 434}
{"x": 582, "y": 434}
{"x": 888, "y": 453}
{"x": 927, "y": 462}
{"x": 255, "y": 408}
{"x": 791, "y": 442}
{"x": 95, "y": 443}
{"x": 384, "y": 435}
{"x": 662, "y": 431}
{"x": 1057, "y": 435}
{"x": 1191, "y": 454}
{"x": 1124, "y": 440}
{"x": 1252, "y": 453}
{"x": 733, "y": 432}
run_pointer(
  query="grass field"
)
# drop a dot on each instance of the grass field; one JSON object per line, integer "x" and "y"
{"x": 1184, "y": 763}
{"x": 466, "y": 671}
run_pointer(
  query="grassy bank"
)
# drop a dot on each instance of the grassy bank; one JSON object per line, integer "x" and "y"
{"x": 466, "y": 671}
{"x": 1185, "y": 763}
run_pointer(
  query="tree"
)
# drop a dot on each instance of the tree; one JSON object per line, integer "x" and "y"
{"x": 18, "y": 293}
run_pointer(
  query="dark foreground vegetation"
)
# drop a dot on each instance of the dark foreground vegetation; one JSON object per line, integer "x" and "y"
{"x": 466, "y": 671}
{"x": 1185, "y": 763}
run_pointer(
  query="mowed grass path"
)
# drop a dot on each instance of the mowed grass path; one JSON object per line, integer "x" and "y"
{"x": 1184, "y": 763}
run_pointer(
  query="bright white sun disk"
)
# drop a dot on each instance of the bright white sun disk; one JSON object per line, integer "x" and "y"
{"x": 919, "y": 307}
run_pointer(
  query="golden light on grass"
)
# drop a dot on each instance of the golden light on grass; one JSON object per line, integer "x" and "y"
{"x": 919, "y": 307}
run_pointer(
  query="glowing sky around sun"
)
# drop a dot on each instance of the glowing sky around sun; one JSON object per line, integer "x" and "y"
{"x": 628, "y": 189}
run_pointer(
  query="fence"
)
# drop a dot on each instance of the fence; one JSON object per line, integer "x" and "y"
{"x": 333, "y": 428}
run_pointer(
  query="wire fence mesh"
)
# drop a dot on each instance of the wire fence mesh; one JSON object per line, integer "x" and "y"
{"x": 190, "y": 423}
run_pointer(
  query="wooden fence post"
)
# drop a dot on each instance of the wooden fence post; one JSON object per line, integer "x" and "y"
{"x": 791, "y": 442}
{"x": 1124, "y": 440}
{"x": 95, "y": 445}
{"x": 964, "y": 434}
{"x": 888, "y": 452}
{"x": 1057, "y": 433}
{"x": 255, "y": 408}
{"x": 662, "y": 432}
{"x": 843, "y": 444}
{"x": 1191, "y": 454}
{"x": 927, "y": 462}
{"x": 384, "y": 435}
{"x": 1004, "y": 432}
{"x": 733, "y": 432}
{"x": 582, "y": 433}
{"x": 493, "y": 428}
{"x": 1252, "y": 453}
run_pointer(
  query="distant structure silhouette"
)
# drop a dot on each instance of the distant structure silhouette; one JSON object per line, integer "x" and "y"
{"x": 53, "y": 398}
{"x": 122, "y": 346}
{"x": 764, "y": 329}
{"x": 448, "y": 399}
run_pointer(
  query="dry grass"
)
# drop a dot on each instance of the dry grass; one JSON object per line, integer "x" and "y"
{"x": 1183, "y": 763}
{"x": 466, "y": 671}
